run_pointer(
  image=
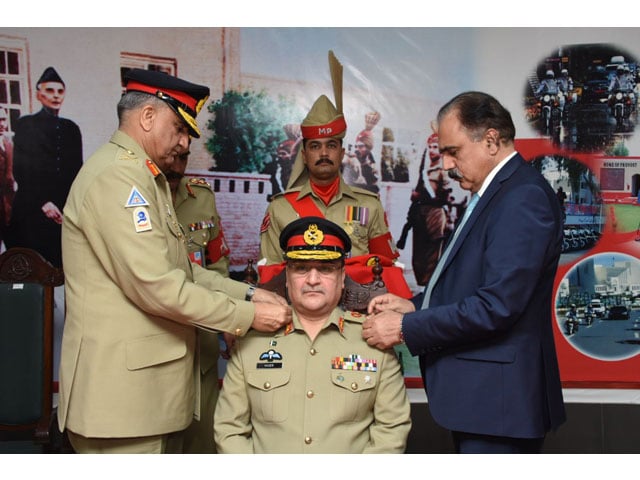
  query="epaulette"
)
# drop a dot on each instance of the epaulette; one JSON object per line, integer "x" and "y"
{"x": 199, "y": 182}
{"x": 355, "y": 317}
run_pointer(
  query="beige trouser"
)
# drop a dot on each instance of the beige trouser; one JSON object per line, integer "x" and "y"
{"x": 168, "y": 443}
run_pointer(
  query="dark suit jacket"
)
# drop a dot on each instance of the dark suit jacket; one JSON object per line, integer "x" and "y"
{"x": 486, "y": 342}
{"x": 46, "y": 158}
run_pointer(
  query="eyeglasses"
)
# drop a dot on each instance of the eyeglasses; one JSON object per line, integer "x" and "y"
{"x": 303, "y": 268}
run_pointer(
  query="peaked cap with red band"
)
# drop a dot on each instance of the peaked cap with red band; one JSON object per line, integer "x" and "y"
{"x": 314, "y": 238}
{"x": 184, "y": 98}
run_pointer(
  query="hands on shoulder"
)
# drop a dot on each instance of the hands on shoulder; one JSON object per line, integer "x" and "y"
{"x": 383, "y": 327}
{"x": 271, "y": 311}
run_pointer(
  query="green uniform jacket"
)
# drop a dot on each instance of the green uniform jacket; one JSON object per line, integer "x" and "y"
{"x": 132, "y": 300}
{"x": 280, "y": 213}
{"x": 195, "y": 206}
{"x": 283, "y": 393}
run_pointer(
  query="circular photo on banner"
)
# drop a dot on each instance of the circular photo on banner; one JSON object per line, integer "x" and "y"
{"x": 597, "y": 306}
{"x": 578, "y": 192}
{"x": 584, "y": 97}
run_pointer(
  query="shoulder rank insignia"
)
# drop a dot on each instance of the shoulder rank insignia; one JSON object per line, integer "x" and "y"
{"x": 289, "y": 328}
{"x": 135, "y": 199}
{"x": 199, "y": 181}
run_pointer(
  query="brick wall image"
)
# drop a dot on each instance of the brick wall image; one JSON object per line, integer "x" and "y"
{"x": 241, "y": 199}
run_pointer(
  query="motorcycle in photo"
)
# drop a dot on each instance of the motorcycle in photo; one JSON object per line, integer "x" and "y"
{"x": 620, "y": 103}
{"x": 549, "y": 115}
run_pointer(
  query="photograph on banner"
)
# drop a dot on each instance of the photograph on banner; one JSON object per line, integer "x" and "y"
{"x": 598, "y": 306}
{"x": 583, "y": 96}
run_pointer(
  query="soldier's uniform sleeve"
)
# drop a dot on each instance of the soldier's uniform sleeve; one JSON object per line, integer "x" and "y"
{"x": 380, "y": 239}
{"x": 392, "y": 410}
{"x": 218, "y": 249}
{"x": 270, "y": 231}
{"x": 150, "y": 265}
{"x": 232, "y": 418}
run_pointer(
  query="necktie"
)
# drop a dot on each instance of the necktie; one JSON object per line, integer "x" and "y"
{"x": 436, "y": 273}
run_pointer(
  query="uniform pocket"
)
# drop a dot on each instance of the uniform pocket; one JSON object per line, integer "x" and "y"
{"x": 154, "y": 350}
{"x": 269, "y": 394}
{"x": 352, "y": 395}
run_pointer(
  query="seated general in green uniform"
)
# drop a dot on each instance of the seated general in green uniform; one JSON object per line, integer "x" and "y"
{"x": 314, "y": 386}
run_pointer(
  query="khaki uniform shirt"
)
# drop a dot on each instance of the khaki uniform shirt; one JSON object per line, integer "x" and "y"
{"x": 195, "y": 206}
{"x": 132, "y": 300}
{"x": 343, "y": 210}
{"x": 283, "y": 393}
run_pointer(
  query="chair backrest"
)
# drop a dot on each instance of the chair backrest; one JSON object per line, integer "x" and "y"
{"x": 27, "y": 283}
{"x": 355, "y": 296}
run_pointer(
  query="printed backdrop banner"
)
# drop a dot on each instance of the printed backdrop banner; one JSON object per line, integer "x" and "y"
{"x": 571, "y": 92}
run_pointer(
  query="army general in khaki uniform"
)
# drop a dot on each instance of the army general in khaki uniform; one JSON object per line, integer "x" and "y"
{"x": 133, "y": 298}
{"x": 314, "y": 386}
{"x": 195, "y": 205}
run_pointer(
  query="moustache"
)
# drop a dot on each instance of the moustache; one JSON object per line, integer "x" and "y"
{"x": 324, "y": 160}
{"x": 312, "y": 290}
{"x": 454, "y": 174}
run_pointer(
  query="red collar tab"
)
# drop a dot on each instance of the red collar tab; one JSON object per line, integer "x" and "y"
{"x": 152, "y": 168}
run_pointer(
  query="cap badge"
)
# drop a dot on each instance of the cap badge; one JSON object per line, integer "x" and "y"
{"x": 313, "y": 236}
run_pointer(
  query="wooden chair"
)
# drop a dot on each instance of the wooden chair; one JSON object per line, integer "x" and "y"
{"x": 27, "y": 284}
{"x": 355, "y": 296}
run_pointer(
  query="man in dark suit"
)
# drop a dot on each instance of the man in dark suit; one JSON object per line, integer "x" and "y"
{"x": 483, "y": 327}
{"x": 47, "y": 156}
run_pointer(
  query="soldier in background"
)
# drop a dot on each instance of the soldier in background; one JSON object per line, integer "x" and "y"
{"x": 195, "y": 205}
{"x": 427, "y": 216}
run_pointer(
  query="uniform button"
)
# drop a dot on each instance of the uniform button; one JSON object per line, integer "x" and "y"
{"x": 308, "y": 440}
{"x": 354, "y": 386}
{"x": 238, "y": 332}
{"x": 310, "y": 394}
{"x": 267, "y": 385}
{"x": 313, "y": 351}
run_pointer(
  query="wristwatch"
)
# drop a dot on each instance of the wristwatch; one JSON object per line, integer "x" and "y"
{"x": 250, "y": 293}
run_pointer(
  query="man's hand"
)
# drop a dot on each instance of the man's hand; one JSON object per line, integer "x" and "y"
{"x": 382, "y": 330}
{"x": 270, "y": 317}
{"x": 267, "y": 296}
{"x": 51, "y": 211}
{"x": 389, "y": 301}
